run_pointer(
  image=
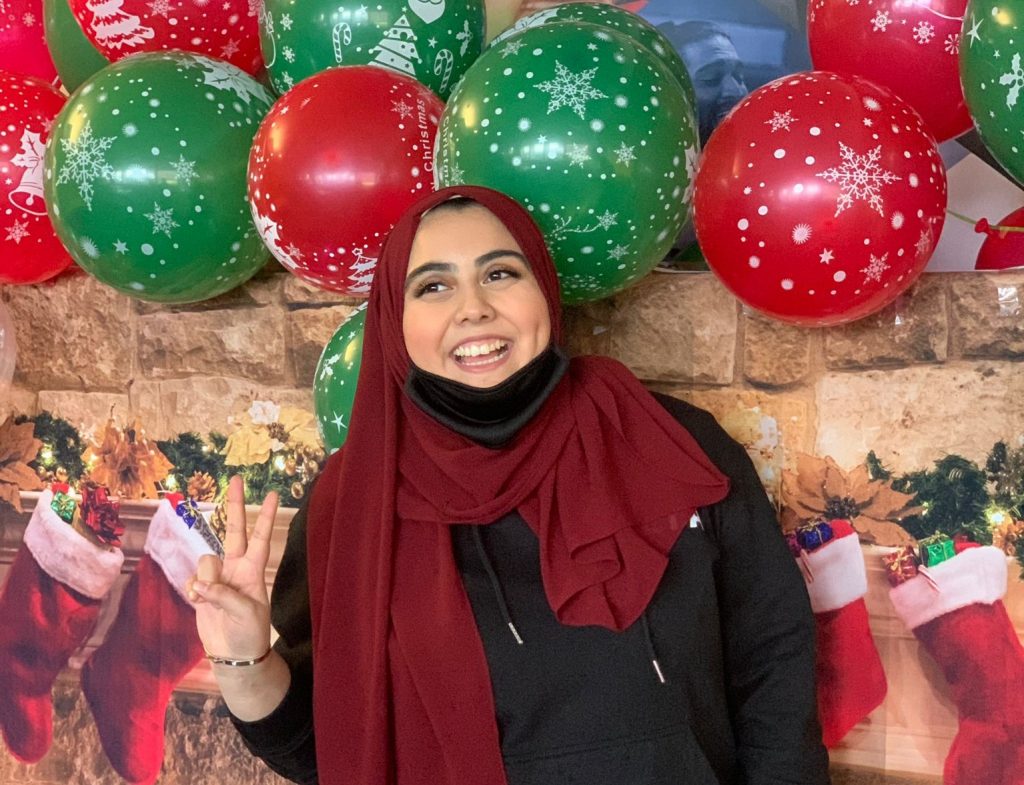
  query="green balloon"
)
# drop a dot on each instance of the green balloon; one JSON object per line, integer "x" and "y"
{"x": 592, "y": 134}
{"x": 619, "y": 19}
{"x": 145, "y": 176}
{"x": 334, "y": 386}
{"x": 73, "y": 54}
{"x": 992, "y": 76}
{"x": 433, "y": 41}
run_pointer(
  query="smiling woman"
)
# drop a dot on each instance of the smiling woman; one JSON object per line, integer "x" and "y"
{"x": 474, "y": 312}
{"x": 519, "y": 569}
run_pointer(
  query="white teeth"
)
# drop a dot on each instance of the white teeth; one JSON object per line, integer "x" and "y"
{"x": 478, "y": 349}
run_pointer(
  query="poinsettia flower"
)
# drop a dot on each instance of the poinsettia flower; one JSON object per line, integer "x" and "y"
{"x": 18, "y": 447}
{"x": 127, "y": 462}
{"x": 264, "y": 412}
{"x": 820, "y": 490}
{"x": 253, "y": 442}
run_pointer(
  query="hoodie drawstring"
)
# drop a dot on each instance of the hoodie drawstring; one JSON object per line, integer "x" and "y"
{"x": 499, "y": 595}
{"x": 650, "y": 646}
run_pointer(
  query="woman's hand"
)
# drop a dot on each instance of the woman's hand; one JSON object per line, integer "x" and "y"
{"x": 230, "y": 596}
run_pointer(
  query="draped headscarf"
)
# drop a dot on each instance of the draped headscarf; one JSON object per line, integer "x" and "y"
{"x": 602, "y": 474}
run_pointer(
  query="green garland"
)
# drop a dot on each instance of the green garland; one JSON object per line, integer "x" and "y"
{"x": 62, "y": 446}
{"x": 955, "y": 496}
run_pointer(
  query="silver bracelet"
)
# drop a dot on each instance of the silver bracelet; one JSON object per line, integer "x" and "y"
{"x": 233, "y": 663}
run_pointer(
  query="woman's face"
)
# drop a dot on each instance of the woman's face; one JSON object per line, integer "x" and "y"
{"x": 474, "y": 312}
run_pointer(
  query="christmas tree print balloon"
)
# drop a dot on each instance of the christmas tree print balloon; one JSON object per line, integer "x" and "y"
{"x": 334, "y": 386}
{"x": 226, "y": 29}
{"x": 992, "y": 73}
{"x": 145, "y": 176}
{"x": 433, "y": 41}
{"x": 592, "y": 133}
{"x": 626, "y": 22}
{"x": 73, "y": 54}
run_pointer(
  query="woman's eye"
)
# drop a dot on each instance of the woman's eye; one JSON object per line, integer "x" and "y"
{"x": 430, "y": 287}
{"x": 501, "y": 273}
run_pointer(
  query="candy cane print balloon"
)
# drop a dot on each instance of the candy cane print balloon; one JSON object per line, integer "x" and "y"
{"x": 819, "y": 198}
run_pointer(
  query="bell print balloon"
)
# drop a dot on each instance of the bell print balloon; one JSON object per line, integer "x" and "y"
{"x": 29, "y": 249}
{"x": 433, "y": 41}
{"x": 992, "y": 72}
{"x": 145, "y": 176}
{"x": 592, "y": 133}
{"x": 820, "y": 198}
{"x": 334, "y": 386}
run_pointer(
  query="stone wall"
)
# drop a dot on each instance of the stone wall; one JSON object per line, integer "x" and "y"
{"x": 941, "y": 370}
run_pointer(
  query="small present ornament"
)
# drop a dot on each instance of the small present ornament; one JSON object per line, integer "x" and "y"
{"x": 64, "y": 505}
{"x": 936, "y": 549}
{"x": 901, "y": 565}
{"x": 812, "y": 536}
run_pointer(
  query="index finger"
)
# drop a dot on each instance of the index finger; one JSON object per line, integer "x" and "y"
{"x": 234, "y": 535}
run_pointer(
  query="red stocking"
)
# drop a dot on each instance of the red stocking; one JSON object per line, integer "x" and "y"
{"x": 851, "y": 680}
{"x": 49, "y": 607}
{"x": 965, "y": 628}
{"x": 152, "y": 644}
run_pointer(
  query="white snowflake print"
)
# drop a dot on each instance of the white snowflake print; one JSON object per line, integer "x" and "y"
{"x": 401, "y": 108}
{"x": 578, "y": 154}
{"x": 294, "y": 253}
{"x": 801, "y": 234}
{"x": 571, "y": 90}
{"x": 85, "y": 162}
{"x": 924, "y": 32}
{"x": 618, "y": 252}
{"x": 565, "y": 225}
{"x": 952, "y": 44}
{"x": 17, "y": 232}
{"x": 511, "y": 48}
{"x": 875, "y": 268}
{"x": 226, "y": 77}
{"x": 1014, "y": 78}
{"x": 289, "y": 82}
{"x": 159, "y": 8}
{"x": 608, "y": 219}
{"x": 860, "y": 178}
{"x": 129, "y": 129}
{"x": 286, "y": 21}
{"x": 692, "y": 155}
{"x": 827, "y": 256}
{"x": 871, "y": 104}
{"x": 880, "y": 21}
{"x": 28, "y": 19}
{"x": 90, "y": 248}
{"x": 625, "y": 154}
{"x": 973, "y": 32}
{"x": 456, "y": 175}
{"x": 289, "y": 54}
{"x": 163, "y": 220}
{"x": 896, "y": 220}
{"x": 780, "y": 121}
{"x": 184, "y": 170}
{"x": 229, "y": 50}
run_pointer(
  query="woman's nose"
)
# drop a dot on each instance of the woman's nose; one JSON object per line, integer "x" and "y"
{"x": 474, "y": 306}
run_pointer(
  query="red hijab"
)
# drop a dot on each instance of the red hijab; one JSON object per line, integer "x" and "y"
{"x": 605, "y": 478}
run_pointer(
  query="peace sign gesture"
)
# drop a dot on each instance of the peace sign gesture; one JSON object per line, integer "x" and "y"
{"x": 230, "y": 595}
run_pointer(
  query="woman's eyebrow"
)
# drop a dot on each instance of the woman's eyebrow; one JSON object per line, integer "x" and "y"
{"x": 429, "y": 267}
{"x": 497, "y": 254}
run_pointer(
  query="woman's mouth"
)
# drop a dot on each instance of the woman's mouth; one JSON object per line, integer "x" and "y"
{"x": 481, "y": 355}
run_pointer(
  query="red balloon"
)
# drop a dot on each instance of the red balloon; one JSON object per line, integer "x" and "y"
{"x": 819, "y": 198}
{"x": 226, "y": 29}
{"x": 1002, "y": 250}
{"x": 22, "y": 46}
{"x": 29, "y": 249}
{"x": 909, "y": 47}
{"x": 327, "y": 183}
